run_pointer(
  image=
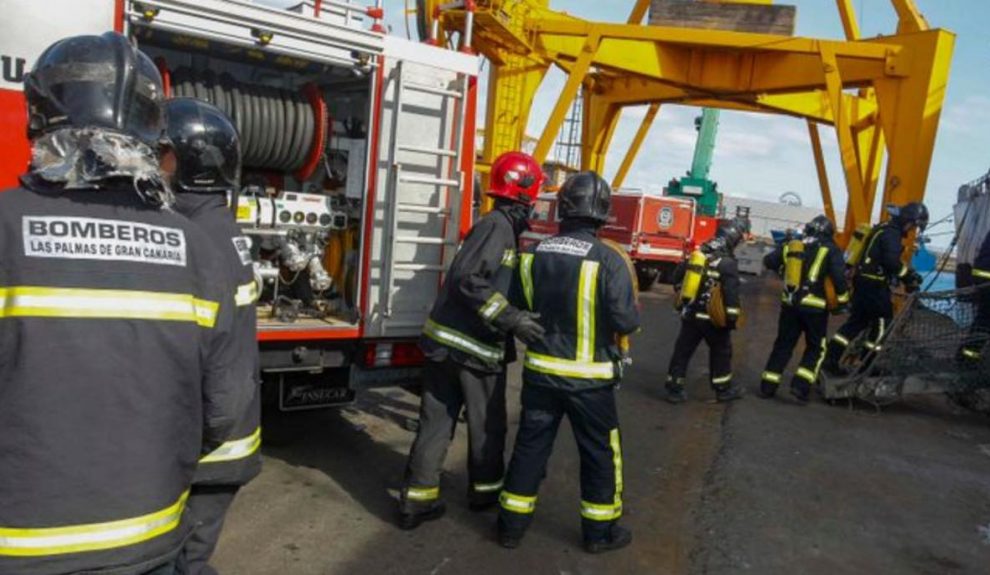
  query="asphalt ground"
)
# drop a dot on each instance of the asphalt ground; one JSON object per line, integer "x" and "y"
{"x": 756, "y": 486}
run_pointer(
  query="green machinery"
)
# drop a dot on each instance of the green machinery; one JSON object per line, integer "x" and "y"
{"x": 696, "y": 183}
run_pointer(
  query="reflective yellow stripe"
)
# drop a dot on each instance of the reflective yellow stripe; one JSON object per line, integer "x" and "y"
{"x": 816, "y": 266}
{"x": 601, "y": 512}
{"x": 509, "y": 258}
{"x": 488, "y": 487}
{"x": 422, "y": 493}
{"x": 79, "y": 303}
{"x": 772, "y": 377}
{"x": 701, "y": 315}
{"x": 982, "y": 274}
{"x": 569, "y": 367}
{"x": 246, "y": 294}
{"x": 821, "y": 357}
{"x": 814, "y": 301}
{"x": 806, "y": 374}
{"x": 494, "y": 306}
{"x": 881, "y": 330}
{"x": 874, "y": 277}
{"x": 843, "y": 297}
{"x": 733, "y": 311}
{"x": 840, "y": 339}
{"x": 615, "y": 441}
{"x": 21, "y": 542}
{"x": 235, "y": 449}
{"x": 721, "y": 380}
{"x": 526, "y": 276}
{"x": 458, "y": 340}
{"x": 872, "y": 346}
{"x": 970, "y": 354}
{"x": 587, "y": 295}
{"x": 517, "y": 503}
{"x": 903, "y": 271}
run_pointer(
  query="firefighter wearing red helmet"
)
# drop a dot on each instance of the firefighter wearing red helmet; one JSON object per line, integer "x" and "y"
{"x": 468, "y": 342}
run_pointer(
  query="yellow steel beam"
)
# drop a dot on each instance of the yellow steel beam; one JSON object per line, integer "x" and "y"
{"x": 816, "y": 148}
{"x": 847, "y": 147}
{"x": 635, "y": 146}
{"x": 567, "y": 95}
{"x": 850, "y": 25}
{"x": 639, "y": 11}
{"x": 909, "y": 17}
{"x": 598, "y": 127}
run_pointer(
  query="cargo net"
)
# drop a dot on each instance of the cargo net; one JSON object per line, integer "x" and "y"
{"x": 938, "y": 342}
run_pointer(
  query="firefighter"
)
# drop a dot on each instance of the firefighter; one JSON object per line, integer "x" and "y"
{"x": 582, "y": 290}
{"x": 202, "y": 144}
{"x": 708, "y": 295}
{"x": 808, "y": 266}
{"x": 876, "y": 268}
{"x": 973, "y": 349}
{"x": 467, "y": 344}
{"x": 115, "y": 344}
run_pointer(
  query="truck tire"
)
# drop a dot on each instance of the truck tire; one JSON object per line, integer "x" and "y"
{"x": 646, "y": 277}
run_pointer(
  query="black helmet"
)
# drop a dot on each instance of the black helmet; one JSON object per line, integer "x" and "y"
{"x": 206, "y": 146}
{"x": 730, "y": 232}
{"x": 95, "y": 81}
{"x": 820, "y": 228}
{"x": 911, "y": 215}
{"x": 585, "y": 195}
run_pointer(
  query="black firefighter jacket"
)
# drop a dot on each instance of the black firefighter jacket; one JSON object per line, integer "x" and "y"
{"x": 470, "y": 318}
{"x": 583, "y": 292}
{"x": 880, "y": 266}
{"x": 115, "y": 350}
{"x": 238, "y": 460}
{"x": 720, "y": 270}
{"x": 981, "y": 265}
{"x": 822, "y": 261}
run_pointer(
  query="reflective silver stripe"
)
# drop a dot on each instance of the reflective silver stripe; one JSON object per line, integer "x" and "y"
{"x": 601, "y": 512}
{"x": 840, "y": 339}
{"x": 517, "y": 503}
{"x": 488, "y": 487}
{"x": 772, "y": 377}
{"x": 806, "y": 374}
{"x": 701, "y": 315}
{"x": 843, "y": 298}
{"x": 903, "y": 271}
{"x": 723, "y": 379}
{"x": 733, "y": 310}
{"x": 422, "y": 493}
{"x": 816, "y": 266}
{"x": 814, "y": 301}
{"x": 458, "y": 340}
{"x": 970, "y": 354}
{"x": 47, "y": 541}
{"x": 982, "y": 274}
{"x": 494, "y": 306}
{"x": 509, "y": 258}
{"x": 246, "y": 294}
{"x": 569, "y": 367}
{"x": 587, "y": 296}
{"x": 526, "y": 277}
{"x": 235, "y": 449}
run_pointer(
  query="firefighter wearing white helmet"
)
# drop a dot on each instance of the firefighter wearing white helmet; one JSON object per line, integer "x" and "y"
{"x": 708, "y": 300}
{"x": 468, "y": 343}
{"x": 582, "y": 290}
{"x": 114, "y": 330}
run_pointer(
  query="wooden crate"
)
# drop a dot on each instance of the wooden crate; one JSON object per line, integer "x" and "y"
{"x": 731, "y": 16}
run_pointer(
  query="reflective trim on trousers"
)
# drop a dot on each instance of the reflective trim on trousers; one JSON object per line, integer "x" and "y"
{"x": 235, "y": 449}
{"x": 28, "y": 542}
{"x": 488, "y": 487}
{"x": 840, "y": 339}
{"x": 422, "y": 493}
{"x": 601, "y": 512}
{"x": 982, "y": 274}
{"x": 806, "y": 374}
{"x": 814, "y": 301}
{"x": 970, "y": 354}
{"x": 84, "y": 303}
{"x": 517, "y": 503}
{"x": 246, "y": 294}
{"x": 569, "y": 367}
{"x": 458, "y": 340}
{"x": 722, "y": 379}
{"x": 772, "y": 377}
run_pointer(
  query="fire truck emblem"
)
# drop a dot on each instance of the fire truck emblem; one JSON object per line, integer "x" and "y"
{"x": 665, "y": 218}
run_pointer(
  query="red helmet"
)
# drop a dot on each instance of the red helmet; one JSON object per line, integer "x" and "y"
{"x": 516, "y": 176}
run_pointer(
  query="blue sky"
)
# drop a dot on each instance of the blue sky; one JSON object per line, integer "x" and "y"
{"x": 764, "y": 156}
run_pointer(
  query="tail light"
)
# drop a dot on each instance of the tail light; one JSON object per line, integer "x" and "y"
{"x": 393, "y": 354}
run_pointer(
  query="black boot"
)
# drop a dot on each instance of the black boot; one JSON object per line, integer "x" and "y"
{"x": 410, "y": 521}
{"x": 618, "y": 537}
{"x": 801, "y": 391}
{"x": 675, "y": 390}
{"x": 768, "y": 390}
{"x": 728, "y": 393}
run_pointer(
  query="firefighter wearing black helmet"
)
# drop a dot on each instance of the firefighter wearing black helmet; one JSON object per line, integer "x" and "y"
{"x": 709, "y": 314}
{"x": 809, "y": 266}
{"x": 583, "y": 292}
{"x": 202, "y": 152}
{"x": 880, "y": 268}
{"x": 115, "y": 329}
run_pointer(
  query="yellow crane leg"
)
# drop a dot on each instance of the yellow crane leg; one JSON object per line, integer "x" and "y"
{"x": 849, "y": 22}
{"x": 567, "y": 95}
{"x": 639, "y": 11}
{"x": 816, "y": 148}
{"x": 847, "y": 146}
{"x": 598, "y": 127}
{"x": 909, "y": 17}
{"x": 635, "y": 146}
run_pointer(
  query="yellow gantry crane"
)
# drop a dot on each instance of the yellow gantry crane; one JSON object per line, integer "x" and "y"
{"x": 883, "y": 95}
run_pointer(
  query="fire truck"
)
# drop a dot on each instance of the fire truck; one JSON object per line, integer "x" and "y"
{"x": 358, "y": 165}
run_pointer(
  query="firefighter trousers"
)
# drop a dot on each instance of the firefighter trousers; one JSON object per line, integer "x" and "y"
{"x": 207, "y": 505}
{"x": 595, "y": 423}
{"x": 793, "y": 322}
{"x": 873, "y": 310}
{"x": 449, "y": 387}
{"x": 719, "y": 340}
{"x": 979, "y": 333}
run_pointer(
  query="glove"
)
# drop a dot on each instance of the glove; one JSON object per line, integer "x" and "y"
{"x": 526, "y": 327}
{"x": 912, "y": 281}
